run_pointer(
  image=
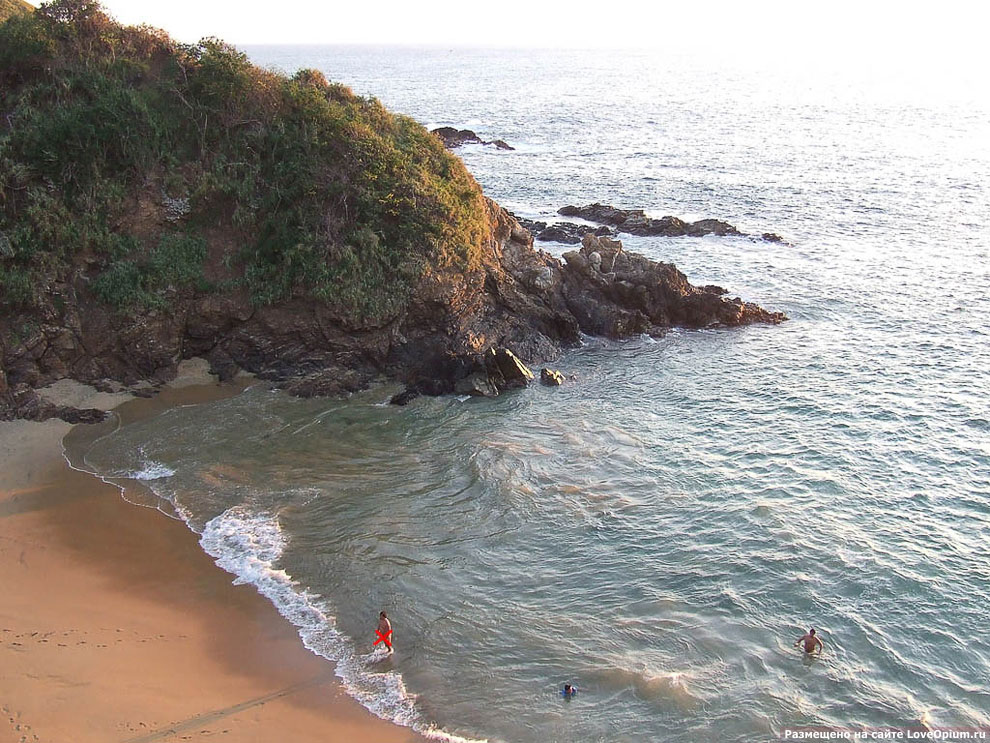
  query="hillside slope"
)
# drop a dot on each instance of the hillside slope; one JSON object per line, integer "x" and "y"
{"x": 160, "y": 201}
{"x": 10, "y": 7}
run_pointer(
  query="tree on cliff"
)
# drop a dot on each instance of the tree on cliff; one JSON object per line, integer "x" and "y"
{"x": 142, "y": 168}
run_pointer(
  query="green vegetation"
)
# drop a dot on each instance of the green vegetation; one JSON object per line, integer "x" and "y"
{"x": 10, "y": 7}
{"x": 177, "y": 262}
{"x": 145, "y": 160}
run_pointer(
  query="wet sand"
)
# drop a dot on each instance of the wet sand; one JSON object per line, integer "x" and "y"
{"x": 116, "y": 627}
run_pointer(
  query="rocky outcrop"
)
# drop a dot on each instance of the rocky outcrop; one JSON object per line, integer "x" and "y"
{"x": 518, "y": 298}
{"x": 635, "y": 222}
{"x": 452, "y": 138}
{"x": 567, "y": 233}
{"x": 24, "y": 402}
{"x": 551, "y": 377}
{"x": 612, "y": 220}
{"x": 616, "y": 293}
{"x": 536, "y": 305}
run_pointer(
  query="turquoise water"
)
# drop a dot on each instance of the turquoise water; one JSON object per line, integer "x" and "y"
{"x": 659, "y": 531}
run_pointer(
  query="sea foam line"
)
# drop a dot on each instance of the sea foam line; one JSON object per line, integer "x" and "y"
{"x": 249, "y": 545}
{"x": 151, "y": 471}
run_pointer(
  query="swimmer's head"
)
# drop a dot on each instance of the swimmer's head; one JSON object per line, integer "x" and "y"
{"x": 810, "y": 631}
{"x": 383, "y": 615}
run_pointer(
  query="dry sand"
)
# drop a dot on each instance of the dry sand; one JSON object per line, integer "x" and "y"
{"x": 116, "y": 627}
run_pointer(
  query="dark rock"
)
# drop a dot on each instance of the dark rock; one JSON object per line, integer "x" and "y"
{"x": 529, "y": 224}
{"x": 635, "y": 222}
{"x": 222, "y": 365}
{"x": 478, "y": 384}
{"x": 109, "y": 385}
{"x": 566, "y": 233}
{"x": 24, "y": 402}
{"x": 405, "y": 397}
{"x": 452, "y": 138}
{"x": 602, "y": 213}
{"x": 333, "y": 382}
{"x": 616, "y": 293}
{"x": 772, "y": 237}
{"x": 711, "y": 227}
{"x": 714, "y": 289}
{"x": 559, "y": 233}
{"x": 81, "y": 415}
{"x": 551, "y": 378}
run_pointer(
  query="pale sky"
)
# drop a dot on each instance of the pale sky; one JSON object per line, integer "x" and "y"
{"x": 946, "y": 33}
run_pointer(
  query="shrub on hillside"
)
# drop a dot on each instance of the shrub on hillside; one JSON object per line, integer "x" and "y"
{"x": 326, "y": 193}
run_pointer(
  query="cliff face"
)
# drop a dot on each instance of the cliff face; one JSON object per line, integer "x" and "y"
{"x": 159, "y": 202}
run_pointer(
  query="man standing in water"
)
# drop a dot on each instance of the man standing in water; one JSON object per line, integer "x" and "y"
{"x": 811, "y": 641}
{"x": 384, "y": 631}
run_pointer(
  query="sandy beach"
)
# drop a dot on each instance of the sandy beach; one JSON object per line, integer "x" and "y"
{"x": 116, "y": 627}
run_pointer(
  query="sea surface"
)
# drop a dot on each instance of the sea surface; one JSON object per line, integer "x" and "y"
{"x": 660, "y": 530}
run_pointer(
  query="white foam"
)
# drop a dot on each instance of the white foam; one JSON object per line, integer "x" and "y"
{"x": 150, "y": 471}
{"x": 249, "y": 546}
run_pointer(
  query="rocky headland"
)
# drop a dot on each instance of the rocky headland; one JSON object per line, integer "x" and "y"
{"x": 318, "y": 262}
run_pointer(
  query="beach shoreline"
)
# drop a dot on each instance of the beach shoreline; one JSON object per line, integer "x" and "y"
{"x": 116, "y": 626}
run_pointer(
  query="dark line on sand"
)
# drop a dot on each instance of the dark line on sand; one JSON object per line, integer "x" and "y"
{"x": 208, "y": 717}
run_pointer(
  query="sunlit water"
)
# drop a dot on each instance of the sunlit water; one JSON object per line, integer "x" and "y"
{"x": 661, "y": 529}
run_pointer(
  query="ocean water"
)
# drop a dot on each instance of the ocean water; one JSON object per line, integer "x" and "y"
{"x": 660, "y": 530}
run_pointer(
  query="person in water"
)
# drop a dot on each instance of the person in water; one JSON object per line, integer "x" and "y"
{"x": 384, "y": 628}
{"x": 811, "y": 641}
{"x": 568, "y": 690}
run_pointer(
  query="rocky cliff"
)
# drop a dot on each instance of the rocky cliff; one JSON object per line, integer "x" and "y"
{"x": 518, "y": 298}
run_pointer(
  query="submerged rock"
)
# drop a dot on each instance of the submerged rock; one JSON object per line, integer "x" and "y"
{"x": 405, "y": 397}
{"x": 773, "y": 237}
